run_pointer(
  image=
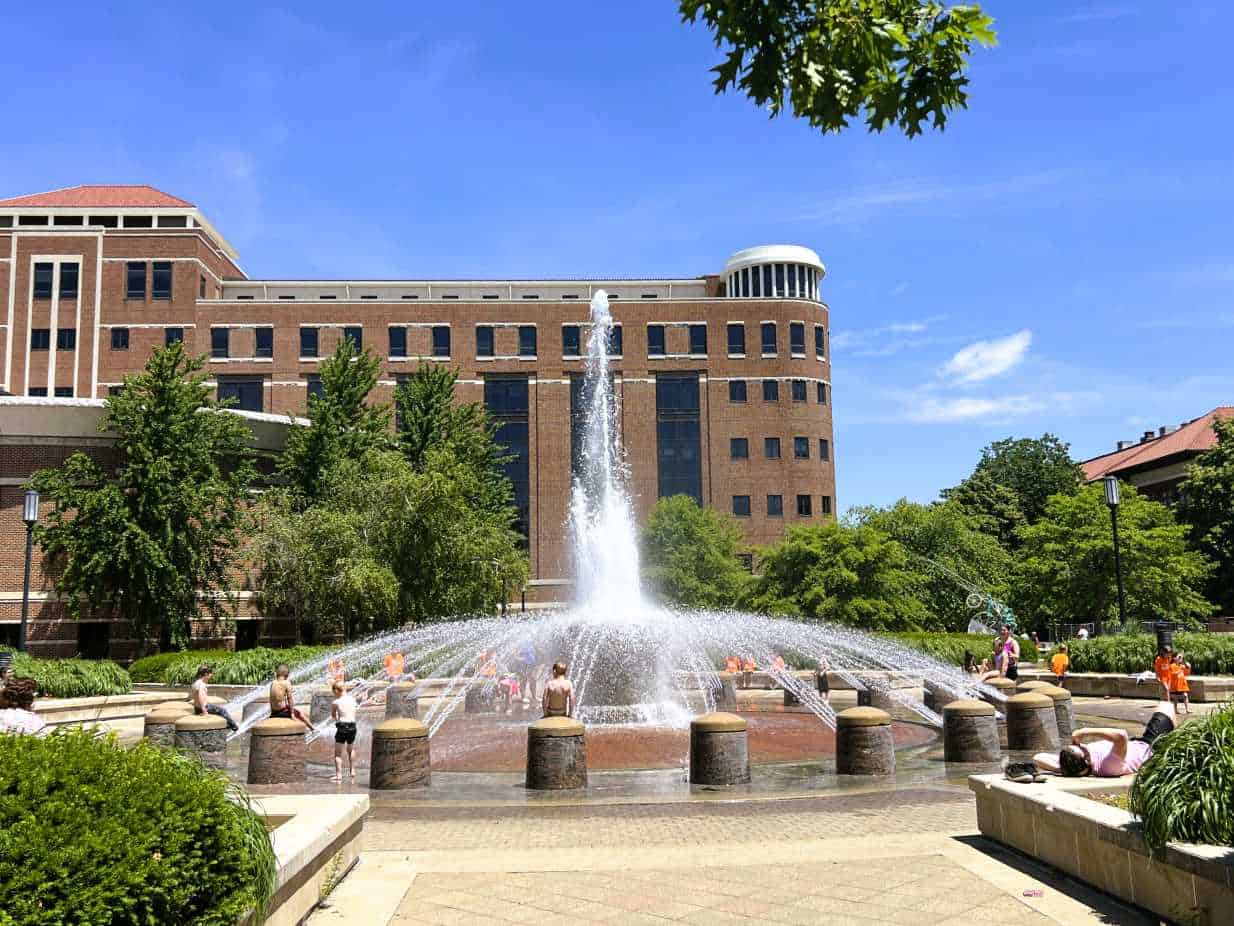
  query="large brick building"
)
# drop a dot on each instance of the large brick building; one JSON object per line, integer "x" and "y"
{"x": 724, "y": 378}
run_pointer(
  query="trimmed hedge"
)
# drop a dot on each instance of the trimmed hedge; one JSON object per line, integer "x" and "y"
{"x": 949, "y": 647}
{"x": 1208, "y": 653}
{"x": 96, "y": 833}
{"x": 248, "y": 667}
{"x": 73, "y": 678}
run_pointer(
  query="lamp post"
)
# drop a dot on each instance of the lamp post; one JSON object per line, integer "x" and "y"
{"x": 1112, "y": 499}
{"x": 501, "y": 583}
{"x": 29, "y": 514}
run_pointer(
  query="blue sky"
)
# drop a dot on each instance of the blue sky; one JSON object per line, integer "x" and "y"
{"x": 1061, "y": 258}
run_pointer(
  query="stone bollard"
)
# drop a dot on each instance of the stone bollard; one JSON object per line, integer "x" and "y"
{"x": 969, "y": 732}
{"x": 556, "y": 754}
{"x": 402, "y": 702}
{"x": 203, "y": 735}
{"x": 1064, "y": 711}
{"x": 255, "y": 707}
{"x": 400, "y": 755}
{"x": 1031, "y": 723}
{"x": 864, "y": 744}
{"x": 937, "y": 696}
{"x": 726, "y": 694}
{"x": 176, "y": 707}
{"x": 319, "y": 707}
{"x": 719, "y": 752}
{"x": 160, "y": 726}
{"x": 1034, "y": 685}
{"x": 277, "y": 752}
{"x": 1004, "y": 686}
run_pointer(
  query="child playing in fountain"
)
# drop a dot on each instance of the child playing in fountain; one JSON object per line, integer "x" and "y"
{"x": 510, "y": 692}
{"x": 1180, "y": 690}
{"x": 558, "y": 694}
{"x": 1059, "y": 663}
{"x": 747, "y": 672}
{"x": 343, "y": 711}
{"x": 283, "y": 699}
{"x": 820, "y": 678}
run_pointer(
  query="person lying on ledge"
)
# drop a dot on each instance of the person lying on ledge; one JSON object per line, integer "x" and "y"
{"x": 1108, "y": 752}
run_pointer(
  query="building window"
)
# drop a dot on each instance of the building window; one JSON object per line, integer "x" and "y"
{"x": 313, "y": 387}
{"x": 678, "y": 452}
{"x": 263, "y": 342}
{"x": 507, "y": 401}
{"x": 288, "y": 298}
{"x": 64, "y": 392}
{"x": 398, "y": 342}
{"x": 655, "y": 340}
{"x": 797, "y": 339}
{"x": 160, "y": 280}
{"x": 771, "y": 390}
{"x": 68, "y": 281}
{"x": 747, "y": 561}
{"x": 615, "y": 345}
{"x": 354, "y": 334}
{"x": 93, "y": 639}
{"x": 741, "y": 506}
{"x": 826, "y": 504}
{"x": 771, "y": 448}
{"x": 780, "y": 289}
{"x": 115, "y": 390}
{"x": 119, "y": 339}
{"x": 526, "y": 340}
{"x": 737, "y": 339}
{"x": 42, "y": 280}
{"x": 739, "y": 448}
{"x": 768, "y": 330}
{"x": 799, "y": 390}
{"x": 570, "y": 346}
{"x": 308, "y": 342}
{"x": 244, "y": 394}
{"x": 40, "y": 338}
{"x": 370, "y": 296}
{"x": 818, "y": 342}
{"x": 736, "y": 390}
{"x": 219, "y": 342}
{"x": 775, "y": 506}
{"x": 66, "y": 339}
{"x": 201, "y": 287}
{"x": 135, "y": 274}
{"x": 484, "y": 340}
{"x": 37, "y": 392}
{"x": 698, "y": 339}
{"x": 824, "y": 449}
{"x": 804, "y": 508}
{"x": 801, "y": 448}
{"x": 173, "y": 336}
{"x": 441, "y": 341}
{"x": 244, "y": 297}
{"x": 821, "y": 393}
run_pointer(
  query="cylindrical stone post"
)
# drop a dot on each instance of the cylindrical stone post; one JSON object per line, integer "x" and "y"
{"x": 400, "y": 755}
{"x": 1064, "y": 711}
{"x": 556, "y": 754}
{"x": 277, "y": 752}
{"x": 402, "y": 702}
{"x": 160, "y": 726}
{"x": 726, "y": 693}
{"x": 1035, "y": 685}
{"x": 175, "y": 707}
{"x": 203, "y": 735}
{"x": 864, "y": 744}
{"x": 719, "y": 751}
{"x": 319, "y": 707}
{"x": 1004, "y": 686}
{"x": 969, "y": 732}
{"x": 1031, "y": 723}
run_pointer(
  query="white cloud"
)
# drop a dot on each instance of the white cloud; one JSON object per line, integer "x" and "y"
{"x": 886, "y": 340}
{"x": 935, "y": 411}
{"x": 986, "y": 359}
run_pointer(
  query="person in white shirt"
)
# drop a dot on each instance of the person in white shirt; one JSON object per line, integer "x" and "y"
{"x": 16, "y": 701}
{"x": 343, "y": 710}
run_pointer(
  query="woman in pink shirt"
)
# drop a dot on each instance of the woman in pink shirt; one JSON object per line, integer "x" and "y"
{"x": 1108, "y": 752}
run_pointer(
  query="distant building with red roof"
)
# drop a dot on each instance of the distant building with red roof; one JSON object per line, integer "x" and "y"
{"x": 1157, "y": 462}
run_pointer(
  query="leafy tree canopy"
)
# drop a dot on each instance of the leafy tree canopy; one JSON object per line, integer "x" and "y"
{"x": 900, "y": 62}
{"x": 994, "y": 508}
{"x": 690, "y": 554}
{"x": 1032, "y": 468}
{"x": 1065, "y": 570}
{"x": 152, "y": 538}
{"x": 1207, "y": 507}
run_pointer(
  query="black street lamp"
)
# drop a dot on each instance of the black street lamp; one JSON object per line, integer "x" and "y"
{"x": 1112, "y": 499}
{"x": 29, "y": 514}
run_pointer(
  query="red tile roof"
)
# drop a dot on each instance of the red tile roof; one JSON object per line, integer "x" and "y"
{"x": 1193, "y": 437}
{"x": 100, "y": 196}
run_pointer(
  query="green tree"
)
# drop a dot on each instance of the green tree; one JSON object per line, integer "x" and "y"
{"x": 690, "y": 555}
{"x": 854, "y": 575}
{"x": 1206, "y": 505}
{"x": 901, "y": 62}
{"x": 945, "y": 545}
{"x": 152, "y": 538}
{"x": 994, "y": 508}
{"x": 1065, "y": 569}
{"x": 343, "y": 425}
{"x": 1032, "y": 468}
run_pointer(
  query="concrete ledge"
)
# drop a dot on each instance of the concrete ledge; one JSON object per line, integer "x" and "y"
{"x": 1204, "y": 688}
{"x": 1101, "y": 845}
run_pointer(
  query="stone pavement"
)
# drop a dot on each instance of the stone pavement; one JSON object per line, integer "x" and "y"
{"x": 906, "y": 856}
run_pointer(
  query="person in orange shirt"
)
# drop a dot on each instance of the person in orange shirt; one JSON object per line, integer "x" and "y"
{"x": 1059, "y": 663}
{"x": 394, "y": 666}
{"x": 732, "y": 664}
{"x": 747, "y": 672}
{"x": 1161, "y": 668}
{"x": 1180, "y": 690}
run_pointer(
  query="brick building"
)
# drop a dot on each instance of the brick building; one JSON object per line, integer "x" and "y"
{"x": 724, "y": 378}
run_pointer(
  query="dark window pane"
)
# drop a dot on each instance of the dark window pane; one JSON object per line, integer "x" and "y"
{"x": 68, "y": 281}
{"x": 678, "y": 450}
{"x": 804, "y": 508}
{"x": 42, "y": 280}
{"x": 64, "y": 392}
{"x": 247, "y": 393}
{"x": 66, "y": 339}
{"x": 824, "y": 449}
{"x": 739, "y": 448}
{"x": 741, "y": 506}
{"x": 822, "y": 393}
{"x": 119, "y": 339}
{"x": 484, "y": 341}
{"x": 264, "y": 342}
{"x": 769, "y": 337}
{"x": 818, "y": 340}
{"x": 570, "y": 346}
{"x": 201, "y": 287}
{"x": 308, "y": 342}
{"x": 40, "y": 338}
{"x": 756, "y": 280}
{"x": 797, "y": 337}
{"x": 441, "y": 340}
{"x": 799, "y": 390}
{"x": 771, "y": 448}
{"x": 38, "y": 391}
{"x": 313, "y": 387}
{"x": 506, "y": 400}
{"x": 767, "y": 289}
{"x": 506, "y": 396}
{"x": 698, "y": 339}
{"x": 655, "y": 340}
{"x": 737, "y": 339}
{"x": 219, "y": 342}
{"x": 615, "y": 346}
{"x": 746, "y": 559}
{"x": 526, "y": 340}
{"x": 737, "y": 390}
{"x": 173, "y": 336}
{"x": 826, "y": 506}
{"x": 354, "y": 334}
{"x": 745, "y": 282}
{"x": 801, "y": 448}
{"x": 775, "y": 506}
{"x": 160, "y": 280}
{"x": 135, "y": 273}
{"x": 780, "y": 291}
{"x": 771, "y": 390}
{"x": 115, "y": 390}
{"x": 398, "y": 342}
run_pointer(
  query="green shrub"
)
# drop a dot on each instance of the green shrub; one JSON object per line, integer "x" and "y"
{"x": 949, "y": 647}
{"x": 1185, "y": 791}
{"x": 1208, "y": 653}
{"x": 96, "y": 833}
{"x": 73, "y": 678}
{"x": 150, "y": 669}
{"x": 248, "y": 667}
